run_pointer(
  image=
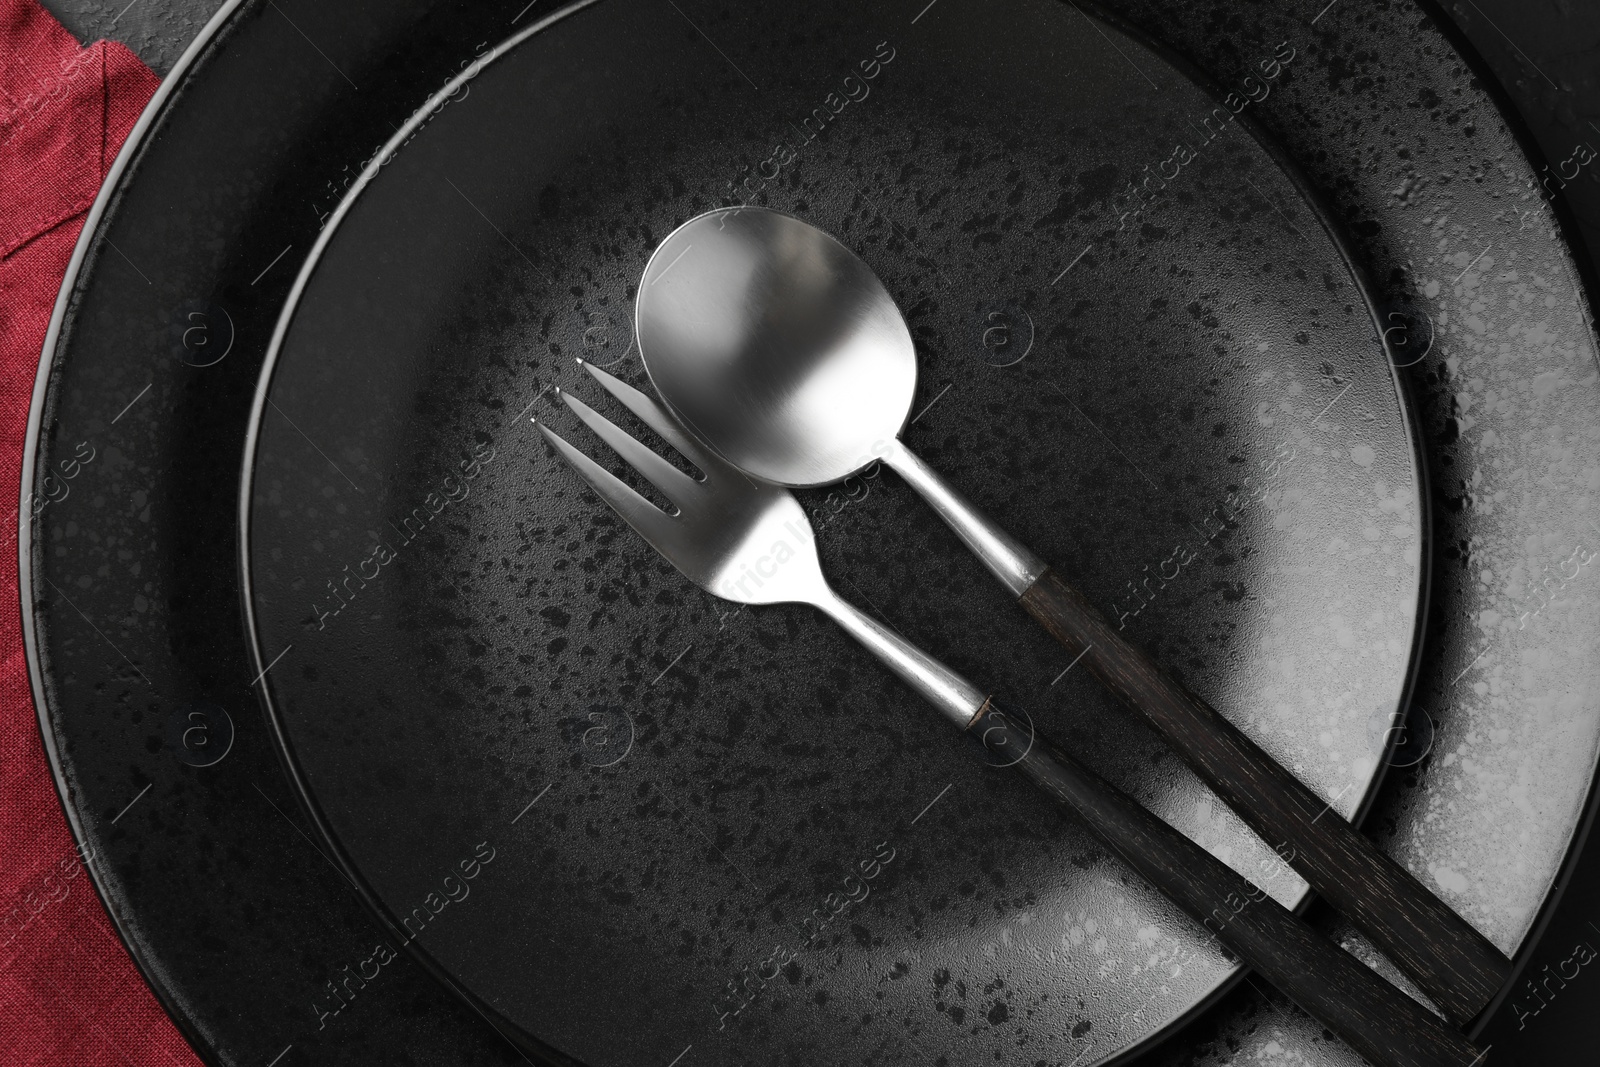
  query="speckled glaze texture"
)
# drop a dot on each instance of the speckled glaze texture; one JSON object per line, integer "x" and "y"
{"x": 1205, "y": 432}
{"x": 770, "y": 792}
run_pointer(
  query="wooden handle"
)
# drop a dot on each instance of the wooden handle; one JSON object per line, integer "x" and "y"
{"x": 1452, "y": 963}
{"x": 1338, "y": 990}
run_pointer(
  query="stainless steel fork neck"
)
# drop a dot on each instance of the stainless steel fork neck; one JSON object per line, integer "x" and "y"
{"x": 946, "y": 690}
{"x": 1006, "y": 557}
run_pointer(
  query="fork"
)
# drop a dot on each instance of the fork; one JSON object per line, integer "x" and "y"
{"x": 753, "y": 544}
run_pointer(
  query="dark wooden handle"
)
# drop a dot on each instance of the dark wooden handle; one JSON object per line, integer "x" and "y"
{"x": 1338, "y": 990}
{"x": 1457, "y": 967}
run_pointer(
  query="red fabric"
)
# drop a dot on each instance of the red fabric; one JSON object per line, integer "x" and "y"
{"x": 69, "y": 993}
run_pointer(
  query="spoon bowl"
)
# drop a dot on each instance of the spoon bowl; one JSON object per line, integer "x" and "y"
{"x": 776, "y": 345}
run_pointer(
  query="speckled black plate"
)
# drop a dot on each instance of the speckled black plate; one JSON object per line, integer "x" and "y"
{"x": 134, "y": 640}
{"x": 464, "y": 655}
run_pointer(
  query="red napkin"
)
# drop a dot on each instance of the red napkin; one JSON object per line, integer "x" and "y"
{"x": 69, "y": 993}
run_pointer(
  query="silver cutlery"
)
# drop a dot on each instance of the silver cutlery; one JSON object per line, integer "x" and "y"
{"x": 752, "y": 544}
{"x": 783, "y": 353}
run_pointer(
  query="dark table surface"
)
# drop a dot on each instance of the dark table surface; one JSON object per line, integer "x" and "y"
{"x": 1545, "y": 55}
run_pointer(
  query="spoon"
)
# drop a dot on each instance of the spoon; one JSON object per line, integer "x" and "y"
{"x": 781, "y": 350}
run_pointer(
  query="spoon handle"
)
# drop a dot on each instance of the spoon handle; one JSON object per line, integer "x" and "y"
{"x": 1457, "y": 967}
{"x": 1452, "y": 963}
{"x": 1380, "y": 1022}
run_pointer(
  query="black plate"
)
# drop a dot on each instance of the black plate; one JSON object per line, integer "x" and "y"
{"x": 206, "y": 880}
{"x": 454, "y": 631}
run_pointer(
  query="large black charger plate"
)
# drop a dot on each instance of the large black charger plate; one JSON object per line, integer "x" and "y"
{"x": 235, "y": 917}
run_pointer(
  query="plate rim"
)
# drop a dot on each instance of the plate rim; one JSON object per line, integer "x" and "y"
{"x": 1587, "y": 268}
{"x": 166, "y": 91}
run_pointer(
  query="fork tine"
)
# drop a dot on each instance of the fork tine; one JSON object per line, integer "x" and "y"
{"x": 653, "y": 524}
{"x": 654, "y": 416}
{"x": 678, "y": 486}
